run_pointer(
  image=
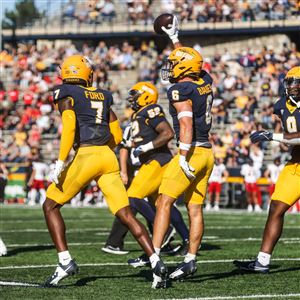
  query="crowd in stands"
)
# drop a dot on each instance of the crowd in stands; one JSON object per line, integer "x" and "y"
{"x": 245, "y": 88}
{"x": 201, "y": 11}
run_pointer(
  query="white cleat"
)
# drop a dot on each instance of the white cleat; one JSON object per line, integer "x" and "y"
{"x": 257, "y": 208}
{"x": 62, "y": 272}
{"x": 208, "y": 207}
{"x": 3, "y": 249}
{"x": 216, "y": 208}
{"x": 249, "y": 208}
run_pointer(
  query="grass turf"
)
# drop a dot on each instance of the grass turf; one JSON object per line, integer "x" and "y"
{"x": 228, "y": 235}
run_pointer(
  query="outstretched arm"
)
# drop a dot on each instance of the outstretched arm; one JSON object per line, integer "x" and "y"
{"x": 173, "y": 32}
{"x": 68, "y": 128}
{"x": 66, "y": 110}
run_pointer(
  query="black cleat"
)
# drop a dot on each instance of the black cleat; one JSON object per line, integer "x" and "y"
{"x": 169, "y": 249}
{"x": 183, "y": 249}
{"x": 184, "y": 270}
{"x": 251, "y": 266}
{"x": 141, "y": 261}
{"x": 160, "y": 273}
{"x": 62, "y": 272}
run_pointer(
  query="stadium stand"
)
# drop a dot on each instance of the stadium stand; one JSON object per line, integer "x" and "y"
{"x": 247, "y": 73}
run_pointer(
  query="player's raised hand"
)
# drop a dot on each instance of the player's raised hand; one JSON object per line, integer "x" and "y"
{"x": 173, "y": 30}
{"x": 59, "y": 166}
{"x": 261, "y": 136}
{"x": 186, "y": 167}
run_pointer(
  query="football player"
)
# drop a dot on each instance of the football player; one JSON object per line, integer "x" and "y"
{"x": 150, "y": 134}
{"x": 140, "y": 184}
{"x": 91, "y": 126}
{"x": 188, "y": 172}
{"x": 287, "y": 187}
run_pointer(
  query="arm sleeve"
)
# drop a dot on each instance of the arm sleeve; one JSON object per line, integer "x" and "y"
{"x": 116, "y": 134}
{"x": 68, "y": 133}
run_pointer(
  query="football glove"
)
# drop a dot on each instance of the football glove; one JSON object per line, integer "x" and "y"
{"x": 172, "y": 32}
{"x": 186, "y": 167}
{"x": 261, "y": 136}
{"x": 142, "y": 149}
{"x": 59, "y": 166}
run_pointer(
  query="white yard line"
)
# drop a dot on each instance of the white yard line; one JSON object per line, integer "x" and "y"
{"x": 259, "y": 296}
{"x": 125, "y": 264}
{"x": 108, "y": 229}
{"x": 208, "y": 239}
{"x": 13, "y": 283}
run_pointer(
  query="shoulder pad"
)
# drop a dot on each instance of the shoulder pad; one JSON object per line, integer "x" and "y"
{"x": 180, "y": 91}
{"x": 206, "y": 77}
{"x": 61, "y": 92}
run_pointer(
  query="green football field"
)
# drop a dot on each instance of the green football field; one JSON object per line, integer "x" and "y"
{"x": 228, "y": 235}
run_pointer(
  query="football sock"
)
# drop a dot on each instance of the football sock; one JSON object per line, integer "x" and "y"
{"x": 154, "y": 258}
{"x": 157, "y": 250}
{"x": 189, "y": 257}
{"x": 64, "y": 257}
{"x": 264, "y": 258}
{"x": 178, "y": 223}
{"x": 144, "y": 208}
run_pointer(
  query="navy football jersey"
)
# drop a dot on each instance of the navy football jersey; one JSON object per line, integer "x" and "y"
{"x": 91, "y": 108}
{"x": 290, "y": 118}
{"x": 199, "y": 93}
{"x": 143, "y": 124}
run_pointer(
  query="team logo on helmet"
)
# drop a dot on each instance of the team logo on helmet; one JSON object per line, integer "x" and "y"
{"x": 142, "y": 94}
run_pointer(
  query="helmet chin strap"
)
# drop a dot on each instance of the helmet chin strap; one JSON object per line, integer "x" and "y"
{"x": 297, "y": 103}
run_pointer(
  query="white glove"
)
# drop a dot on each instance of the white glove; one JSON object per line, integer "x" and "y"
{"x": 126, "y": 143}
{"x": 186, "y": 167}
{"x": 172, "y": 30}
{"x": 142, "y": 149}
{"x": 59, "y": 166}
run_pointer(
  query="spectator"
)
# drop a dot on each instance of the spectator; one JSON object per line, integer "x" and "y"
{"x": 217, "y": 177}
{"x": 251, "y": 175}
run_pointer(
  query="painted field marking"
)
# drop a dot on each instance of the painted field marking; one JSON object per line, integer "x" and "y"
{"x": 125, "y": 264}
{"x": 272, "y": 296}
{"x": 13, "y": 283}
{"x": 108, "y": 229}
{"x": 208, "y": 238}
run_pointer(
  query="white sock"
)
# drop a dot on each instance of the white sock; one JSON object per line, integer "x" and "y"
{"x": 154, "y": 258}
{"x": 64, "y": 257}
{"x": 157, "y": 250}
{"x": 264, "y": 258}
{"x": 189, "y": 257}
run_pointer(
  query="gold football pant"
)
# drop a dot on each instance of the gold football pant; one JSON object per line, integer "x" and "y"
{"x": 175, "y": 182}
{"x": 91, "y": 163}
{"x": 287, "y": 187}
{"x": 147, "y": 180}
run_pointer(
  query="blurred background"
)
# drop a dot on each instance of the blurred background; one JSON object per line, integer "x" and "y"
{"x": 247, "y": 46}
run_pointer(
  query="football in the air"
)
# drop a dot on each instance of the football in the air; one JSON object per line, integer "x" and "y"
{"x": 162, "y": 20}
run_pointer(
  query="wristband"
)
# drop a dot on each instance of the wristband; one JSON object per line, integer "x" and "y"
{"x": 148, "y": 146}
{"x": 174, "y": 39}
{"x": 183, "y": 146}
{"x": 278, "y": 137}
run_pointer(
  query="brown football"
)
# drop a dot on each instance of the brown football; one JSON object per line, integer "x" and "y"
{"x": 162, "y": 20}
